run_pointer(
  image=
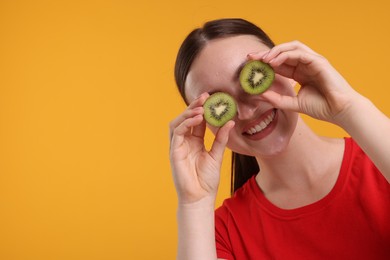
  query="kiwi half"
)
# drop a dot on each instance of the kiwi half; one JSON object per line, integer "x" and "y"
{"x": 219, "y": 108}
{"x": 256, "y": 77}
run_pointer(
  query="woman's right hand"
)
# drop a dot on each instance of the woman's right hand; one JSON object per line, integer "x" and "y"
{"x": 195, "y": 170}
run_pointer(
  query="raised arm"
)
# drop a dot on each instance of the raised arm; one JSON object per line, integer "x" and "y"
{"x": 196, "y": 173}
{"x": 371, "y": 129}
{"x": 326, "y": 95}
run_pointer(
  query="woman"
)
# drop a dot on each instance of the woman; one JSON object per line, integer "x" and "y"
{"x": 313, "y": 197}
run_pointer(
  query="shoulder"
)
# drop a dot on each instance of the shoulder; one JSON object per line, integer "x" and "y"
{"x": 361, "y": 170}
{"x": 239, "y": 200}
{"x": 230, "y": 220}
{"x": 355, "y": 158}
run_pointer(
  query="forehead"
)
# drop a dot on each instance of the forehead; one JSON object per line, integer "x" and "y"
{"x": 217, "y": 64}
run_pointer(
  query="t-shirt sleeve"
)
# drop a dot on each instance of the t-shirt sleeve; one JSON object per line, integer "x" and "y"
{"x": 222, "y": 241}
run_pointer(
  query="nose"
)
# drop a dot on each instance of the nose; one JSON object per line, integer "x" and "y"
{"x": 245, "y": 109}
{"x": 247, "y": 105}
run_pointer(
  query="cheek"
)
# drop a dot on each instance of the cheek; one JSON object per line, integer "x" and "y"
{"x": 236, "y": 142}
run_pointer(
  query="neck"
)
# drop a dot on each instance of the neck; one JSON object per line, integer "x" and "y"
{"x": 308, "y": 163}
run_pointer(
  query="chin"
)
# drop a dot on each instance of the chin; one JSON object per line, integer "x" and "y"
{"x": 275, "y": 148}
{"x": 280, "y": 139}
{"x": 266, "y": 149}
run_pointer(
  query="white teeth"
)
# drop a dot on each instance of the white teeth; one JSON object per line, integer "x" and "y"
{"x": 263, "y": 124}
{"x": 268, "y": 120}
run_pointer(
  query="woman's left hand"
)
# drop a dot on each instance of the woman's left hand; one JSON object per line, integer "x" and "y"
{"x": 324, "y": 93}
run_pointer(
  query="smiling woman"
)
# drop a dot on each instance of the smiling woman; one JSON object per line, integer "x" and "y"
{"x": 244, "y": 165}
{"x": 287, "y": 175}
{"x": 86, "y": 92}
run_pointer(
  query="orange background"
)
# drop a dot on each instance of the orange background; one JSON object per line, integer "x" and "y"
{"x": 86, "y": 95}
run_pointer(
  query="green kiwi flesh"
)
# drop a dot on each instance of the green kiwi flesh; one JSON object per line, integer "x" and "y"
{"x": 256, "y": 77}
{"x": 219, "y": 108}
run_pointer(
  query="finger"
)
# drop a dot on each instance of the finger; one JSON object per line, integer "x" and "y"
{"x": 188, "y": 113}
{"x": 199, "y": 130}
{"x": 275, "y": 51}
{"x": 281, "y": 101}
{"x": 257, "y": 55}
{"x": 285, "y": 70}
{"x": 220, "y": 141}
{"x": 194, "y": 108}
{"x": 287, "y": 47}
{"x": 292, "y": 58}
{"x": 287, "y": 63}
{"x": 199, "y": 101}
{"x": 294, "y": 45}
{"x": 303, "y": 47}
{"x": 184, "y": 129}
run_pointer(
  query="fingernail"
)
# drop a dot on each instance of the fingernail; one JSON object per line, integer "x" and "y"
{"x": 231, "y": 124}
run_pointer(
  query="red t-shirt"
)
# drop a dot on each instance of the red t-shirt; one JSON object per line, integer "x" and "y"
{"x": 351, "y": 222}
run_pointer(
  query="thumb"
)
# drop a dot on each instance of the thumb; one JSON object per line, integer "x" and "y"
{"x": 281, "y": 101}
{"x": 221, "y": 139}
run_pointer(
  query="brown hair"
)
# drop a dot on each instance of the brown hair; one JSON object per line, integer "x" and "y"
{"x": 243, "y": 166}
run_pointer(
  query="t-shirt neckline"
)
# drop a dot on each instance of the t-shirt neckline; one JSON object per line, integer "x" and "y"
{"x": 310, "y": 208}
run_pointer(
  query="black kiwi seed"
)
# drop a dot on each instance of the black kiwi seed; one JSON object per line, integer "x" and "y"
{"x": 256, "y": 77}
{"x": 219, "y": 108}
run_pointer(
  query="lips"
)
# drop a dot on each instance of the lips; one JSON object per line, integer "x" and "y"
{"x": 263, "y": 126}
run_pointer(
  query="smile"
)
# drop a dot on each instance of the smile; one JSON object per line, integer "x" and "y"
{"x": 262, "y": 125}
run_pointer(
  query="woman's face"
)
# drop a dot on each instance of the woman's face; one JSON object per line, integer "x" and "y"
{"x": 217, "y": 69}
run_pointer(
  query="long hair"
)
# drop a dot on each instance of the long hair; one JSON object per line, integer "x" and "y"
{"x": 243, "y": 166}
